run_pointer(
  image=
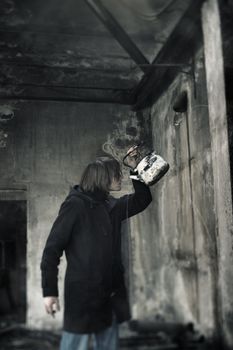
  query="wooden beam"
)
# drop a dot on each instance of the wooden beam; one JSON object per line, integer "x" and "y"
{"x": 119, "y": 33}
{"x": 78, "y": 77}
{"x": 179, "y": 48}
{"x": 51, "y": 93}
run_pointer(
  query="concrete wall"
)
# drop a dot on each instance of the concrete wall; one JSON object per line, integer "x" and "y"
{"x": 176, "y": 269}
{"x": 221, "y": 167}
{"x": 44, "y": 149}
{"x": 182, "y": 269}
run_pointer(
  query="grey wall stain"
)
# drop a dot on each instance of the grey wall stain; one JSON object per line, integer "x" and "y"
{"x": 3, "y": 137}
{"x": 6, "y": 113}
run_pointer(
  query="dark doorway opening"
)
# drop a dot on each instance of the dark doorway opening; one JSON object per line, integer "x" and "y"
{"x": 13, "y": 223}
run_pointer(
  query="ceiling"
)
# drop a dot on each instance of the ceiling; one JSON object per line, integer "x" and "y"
{"x": 58, "y": 44}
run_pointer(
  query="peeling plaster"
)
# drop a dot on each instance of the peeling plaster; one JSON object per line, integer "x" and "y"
{"x": 10, "y": 7}
{"x": 14, "y": 16}
{"x": 128, "y": 130}
{"x": 178, "y": 118}
{"x": 12, "y": 90}
{"x": 3, "y": 137}
{"x": 6, "y": 113}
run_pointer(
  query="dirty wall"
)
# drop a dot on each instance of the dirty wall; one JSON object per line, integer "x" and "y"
{"x": 43, "y": 150}
{"x": 175, "y": 269}
{"x": 183, "y": 242}
{"x": 187, "y": 246}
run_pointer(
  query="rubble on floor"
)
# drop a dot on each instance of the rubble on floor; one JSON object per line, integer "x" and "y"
{"x": 135, "y": 335}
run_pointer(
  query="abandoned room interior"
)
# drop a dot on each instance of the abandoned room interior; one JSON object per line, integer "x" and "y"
{"x": 86, "y": 78}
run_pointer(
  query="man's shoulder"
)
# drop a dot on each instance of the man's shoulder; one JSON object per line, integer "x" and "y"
{"x": 72, "y": 202}
{"x": 116, "y": 203}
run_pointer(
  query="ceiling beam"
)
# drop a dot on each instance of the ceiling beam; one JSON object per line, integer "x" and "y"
{"x": 79, "y": 77}
{"x": 119, "y": 33}
{"x": 51, "y": 93}
{"x": 177, "y": 52}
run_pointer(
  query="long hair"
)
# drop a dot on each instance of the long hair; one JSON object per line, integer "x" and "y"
{"x": 99, "y": 174}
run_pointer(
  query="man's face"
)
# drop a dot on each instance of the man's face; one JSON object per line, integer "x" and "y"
{"x": 115, "y": 184}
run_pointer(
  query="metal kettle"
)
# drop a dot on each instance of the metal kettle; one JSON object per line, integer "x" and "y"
{"x": 150, "y": 169}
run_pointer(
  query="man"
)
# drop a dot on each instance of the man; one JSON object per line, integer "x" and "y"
{"x": 88, "y": 229}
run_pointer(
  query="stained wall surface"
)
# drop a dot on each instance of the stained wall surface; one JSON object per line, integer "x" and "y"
{"x": 221, "y": 164}
{"x": 175, "y": 269}
{"x": 183, "y": 242}
{"x": 44, "y": 149}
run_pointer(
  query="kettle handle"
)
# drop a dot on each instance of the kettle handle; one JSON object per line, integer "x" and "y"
{"x": 135, "y": 147}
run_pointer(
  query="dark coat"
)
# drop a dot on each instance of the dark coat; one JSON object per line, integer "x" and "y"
{"x": 88, "y": 229}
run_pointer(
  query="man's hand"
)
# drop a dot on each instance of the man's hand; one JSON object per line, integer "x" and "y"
{"x": 132, "y": 156}
{"x": 51, "y": 305}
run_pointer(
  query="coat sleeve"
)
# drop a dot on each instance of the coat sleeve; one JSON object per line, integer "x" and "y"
{"x": 136, "y": 202}
{"x": 57, "y": 240}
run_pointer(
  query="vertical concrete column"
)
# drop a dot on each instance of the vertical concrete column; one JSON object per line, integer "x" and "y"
{"x": 221, "y": 169}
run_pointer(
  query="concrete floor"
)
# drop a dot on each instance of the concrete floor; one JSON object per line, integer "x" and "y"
{"x": 14, "y": 337}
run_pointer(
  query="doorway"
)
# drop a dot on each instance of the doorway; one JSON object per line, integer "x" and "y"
{"x": 13, "y": 242}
